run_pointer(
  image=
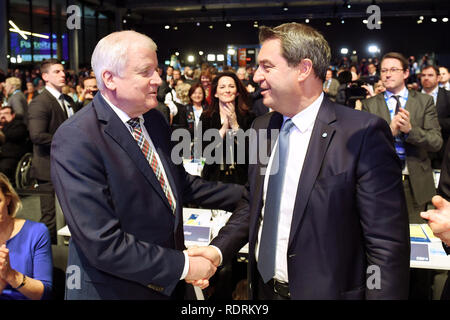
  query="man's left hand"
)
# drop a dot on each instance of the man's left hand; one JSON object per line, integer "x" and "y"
{"x": 403, "y": 121}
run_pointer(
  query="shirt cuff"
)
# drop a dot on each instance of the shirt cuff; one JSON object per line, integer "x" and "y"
{"x": 186, "y": 266}
{"x": 220, "y": 254}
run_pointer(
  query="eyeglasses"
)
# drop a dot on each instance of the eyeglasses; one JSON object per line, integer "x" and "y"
{"x": 391, "y": 70}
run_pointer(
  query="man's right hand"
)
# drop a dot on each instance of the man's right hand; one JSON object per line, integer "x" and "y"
{"x": 200, "y": 270}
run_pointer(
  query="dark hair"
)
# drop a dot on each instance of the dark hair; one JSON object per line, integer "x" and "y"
{"x": 242, "y": 102}
{"x": 435, "y": 68}
{"x": 88, "y": 78}
{"x": 46, "y": 64}
{"x": 298, "y": 42}
{"x": 8, "y": 107}
{"x": 191, "y": 92}
{"x": 398, "y": 56}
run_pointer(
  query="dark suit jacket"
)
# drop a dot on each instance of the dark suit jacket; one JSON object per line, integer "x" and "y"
{"x": 16, "y": 140}
{"x": 443, "y": 111}
{"x": 45, "y": 115}
{"x": 349, "y": 212}
{"x": 216, "y": 172}
{"x": 425, "y": 136}
{"x": 125, "y": 238}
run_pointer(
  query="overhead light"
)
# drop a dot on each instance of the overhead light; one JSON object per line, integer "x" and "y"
{"x": 175, "y": 28}
{"x": 200, "y": 53}
{"x": 433, "y": 20}
{"x": 228, "y": 25}
{"x": 380, "y": 22}
{"x": 373, "y": 49}
{"x": 211, "y": 57}
{"x": 419, "y": 21}
{"x": 285, "y": 6}
{"x": 167, "y": 27}
{"x": 211, "y": 26}
{"x": 16, "y": 28}
{"x": 177, "y": 53}
{"x": 190, "y": 58}
{"x": 354, "y": 52}
{"x": 231, "y": 51}
{"x": 255, "y": 24}
{"x": 421, "y": 17}
{"x": 220, "y": 57}
{"x": 342, "y": 21}
{"x": 124, "y": 21}
{"x": 13, "y": 60}
{"x": 344, "y": 51}
{"x": 365, "y": 21}
{"x": 445, "y": 19}
{"x": 198, "y": 24}
{"x": 328, "y": 23}
{"x": 128, "y": 12}
{"x": 307, "y": 21}
{"x": 31, "y": 34}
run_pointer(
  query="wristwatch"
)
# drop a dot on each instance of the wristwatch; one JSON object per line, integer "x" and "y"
{"x": 24, "y": 280}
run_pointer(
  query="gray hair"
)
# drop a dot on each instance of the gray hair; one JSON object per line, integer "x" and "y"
{"x": 111, "y": 52}
{"x": 298, "y": 42}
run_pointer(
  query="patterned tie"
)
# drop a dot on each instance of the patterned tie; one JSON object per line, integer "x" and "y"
{"x": 399, "y": 140}
{"x": 150, "y": 155}
{"x": 267, "y": 246}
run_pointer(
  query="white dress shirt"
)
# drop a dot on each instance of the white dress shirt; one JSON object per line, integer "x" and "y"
{"x": 433, "y": 93}
{"x": 124, "y": 118}
{"x": 66, "y": 107}
{"x": 299, "y": 138}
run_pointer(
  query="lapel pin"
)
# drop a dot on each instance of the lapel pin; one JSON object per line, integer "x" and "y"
{"x": 324, "y": 135}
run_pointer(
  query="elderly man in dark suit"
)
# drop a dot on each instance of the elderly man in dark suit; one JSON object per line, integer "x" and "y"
{"x": 414, "y": 123}
{"x": 120, "y": 192}
{"x": 46, "y": 113}
{"x": 329, "y": 209}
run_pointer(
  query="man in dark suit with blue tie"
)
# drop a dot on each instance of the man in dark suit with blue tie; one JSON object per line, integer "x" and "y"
{"x": 120, "y": 192}
{"x": 326, "y": 219}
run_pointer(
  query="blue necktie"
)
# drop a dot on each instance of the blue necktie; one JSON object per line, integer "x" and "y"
{"x": 399, "y": 140}
{"x": 268, "y": 244}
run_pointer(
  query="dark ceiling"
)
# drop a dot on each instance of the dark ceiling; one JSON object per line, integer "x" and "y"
{"x": 185, "y": 11}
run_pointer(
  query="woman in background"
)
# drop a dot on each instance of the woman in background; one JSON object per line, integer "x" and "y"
{"x": 228, "y": 112}
{"x": 25, "y": 251}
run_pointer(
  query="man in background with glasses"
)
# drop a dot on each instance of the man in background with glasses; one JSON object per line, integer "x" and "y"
{"x": 414, "y": 124}
{"x": 413, "y": 119}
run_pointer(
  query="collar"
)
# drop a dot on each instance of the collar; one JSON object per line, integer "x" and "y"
{"x": 120, "y": 113}
{"x": 403, "y": 93}
{"x": 305, "y": 119}
{"x": 53, "y": 92}
{"x": 432, "y": 93}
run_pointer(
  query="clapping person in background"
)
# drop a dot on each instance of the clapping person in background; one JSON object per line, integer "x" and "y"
{"x": 189, "y": 115}
{"x": 228, "y": 112}
{"x": 25, "y": 251}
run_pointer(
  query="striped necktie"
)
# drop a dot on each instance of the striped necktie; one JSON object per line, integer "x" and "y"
{"x": 150, "y": 155}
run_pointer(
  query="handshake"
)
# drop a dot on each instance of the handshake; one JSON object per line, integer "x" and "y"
{"x": 203, "y": 263}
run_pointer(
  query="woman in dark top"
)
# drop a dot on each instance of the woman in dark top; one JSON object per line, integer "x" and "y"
{"x": 229, "y": 112}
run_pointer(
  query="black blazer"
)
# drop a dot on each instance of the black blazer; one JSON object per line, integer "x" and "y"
{"x": 45, "y": 115}
{"x": 216, "y": 171}
{"x": 349, "y": 213}
{"x": 16, "y": 140}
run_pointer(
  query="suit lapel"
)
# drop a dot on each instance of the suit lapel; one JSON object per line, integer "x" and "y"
{"x": 274, "y": 123}
{"x": 120, "y": 134}
{"x": 55, "y": 104}
{"x": 321, "y": 137}
{"x": 383, "y": 108}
